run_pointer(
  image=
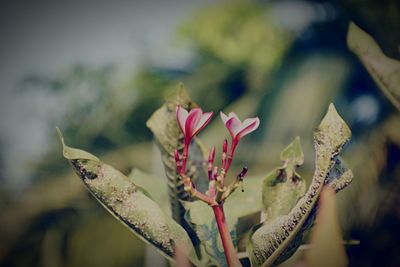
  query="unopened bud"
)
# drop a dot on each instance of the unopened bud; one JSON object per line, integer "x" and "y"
{"x": 243, "y": 172}
{"x": 211, "y": 155}
{"x": 214, "y": 172}
{"x": 178, "y": 162}
{"x": 177, "y": 159}
{"x": 225, "y": 146}
{"x": 224, "y": 150}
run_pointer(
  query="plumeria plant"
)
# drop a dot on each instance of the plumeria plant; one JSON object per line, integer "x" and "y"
{"x": 207, "y": 218}
{"x": 190, "y": 124}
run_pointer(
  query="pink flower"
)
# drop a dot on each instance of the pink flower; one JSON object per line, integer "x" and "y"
{"x": 237, "y": 128}
{"x": 192, "y": 122}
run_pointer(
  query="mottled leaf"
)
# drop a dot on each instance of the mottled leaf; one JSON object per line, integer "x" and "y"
{"x": 384, "y": 70}
{"x": 327, "y": 248}
{"x": 274, "y": 241}
{"x": 283, "y": 187}
{"x": 130, "y": 204}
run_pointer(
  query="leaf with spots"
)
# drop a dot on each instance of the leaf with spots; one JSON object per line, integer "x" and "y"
{"x": 129, "y": 203}
{"x": 276, "y": 240}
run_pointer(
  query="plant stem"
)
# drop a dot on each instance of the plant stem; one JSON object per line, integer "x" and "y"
{"x": 184, "y": 157}
{"x": 229, "y": 250}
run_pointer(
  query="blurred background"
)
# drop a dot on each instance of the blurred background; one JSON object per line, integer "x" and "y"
{"x": 98, "y": 69}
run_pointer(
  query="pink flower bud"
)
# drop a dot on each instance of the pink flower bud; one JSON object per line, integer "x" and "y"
{"x": 177, "y": 156}
{"x": 237, "y": 129}
{"x": 211, "y": 155}
{"x": 178, "y": 161}
{"x": 214, "y": 172}
{"x": 225, "y": 146}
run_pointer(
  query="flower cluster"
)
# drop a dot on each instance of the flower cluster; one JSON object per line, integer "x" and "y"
{"x": 191, "y": 123}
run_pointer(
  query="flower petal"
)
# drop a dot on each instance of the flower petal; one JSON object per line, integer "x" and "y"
{"x": 233, "y": 115}
{"x": 204, "y": 120}
{"x": 249, "y": 125}
{"x": 247, "y": 122}
{"x": 233, "y": 125}
{"x": 192, "y": 120}
{"x": 181, "y": 116}
{"x": 224, "y": 118}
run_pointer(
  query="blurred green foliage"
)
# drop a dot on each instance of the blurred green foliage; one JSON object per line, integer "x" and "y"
{"x": 242, "y": 37}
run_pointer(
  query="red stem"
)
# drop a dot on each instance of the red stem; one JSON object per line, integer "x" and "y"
{"x": 231, "y": 153}
{"x": 223, "y": 230}
{"x": 184, "y": 157}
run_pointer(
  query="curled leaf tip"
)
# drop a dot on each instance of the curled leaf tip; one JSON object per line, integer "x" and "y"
{"x": 73, "y": 153}
{"x": 60, "y": 136}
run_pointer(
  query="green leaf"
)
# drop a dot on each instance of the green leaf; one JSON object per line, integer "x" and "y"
{"x": 384, "y": 70}
{"x": 283, "y": 187}
{"x": 130, "y": 204}
{"x": 238, "y": 205}
{"x": 327, "y": 247}
{"x": 276, "y": 240}
{"x": 74, "y": 153}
